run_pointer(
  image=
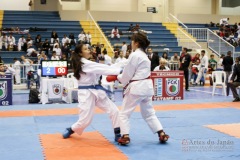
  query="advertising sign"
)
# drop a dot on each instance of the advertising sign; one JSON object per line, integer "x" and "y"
{"x": 5, "y": 90}
{"x": 168, "y": 85}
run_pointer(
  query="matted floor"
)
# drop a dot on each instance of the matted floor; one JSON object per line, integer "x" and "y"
{"x": 201, "y": 126}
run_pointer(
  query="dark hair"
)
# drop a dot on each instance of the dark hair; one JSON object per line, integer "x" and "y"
{"x": 187, "y": 50}
{"x": 104, "y": 51}
{"x": 222, "y": 55}
{"x": 203, "y": 51}
{"x": 165, "y": 53}
{"x": 76, "y": 61}
{"x": 142, "y": 40}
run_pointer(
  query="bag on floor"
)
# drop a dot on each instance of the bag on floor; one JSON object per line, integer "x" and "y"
{"x": 33, "y": 96}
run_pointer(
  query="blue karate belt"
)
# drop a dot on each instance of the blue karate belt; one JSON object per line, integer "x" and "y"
{"x": 95, "y": 87}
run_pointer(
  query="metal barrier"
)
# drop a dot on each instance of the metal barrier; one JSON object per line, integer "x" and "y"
{"x": 24, "y": 71}
{"x": 186, "y": 40}
{"x": 174, "y": 19}
{"x": 200, "y": 34}
{"x": 173, "y": 65}
{"x": 102, "y": 38}
{"x": 215, "y": 42}
{"x": 219, "y": 45}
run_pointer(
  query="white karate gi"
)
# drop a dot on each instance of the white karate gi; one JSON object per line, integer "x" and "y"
{"x": 89, "y": 98}
{"x": 17, "y": 67}
{"x": 10, "y": 70}
{"x": 21, "y": 42}
{"x": 138, "y": 92}
{"x": 3, "y": 42}
{"x": 203, "y": 69}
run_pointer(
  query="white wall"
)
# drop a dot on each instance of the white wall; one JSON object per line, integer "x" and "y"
{"x": 113, "y": 5}
{"x": 228, "y": 10}
{"x": 190, "y": 7}
{"x": 206, "y": 18}
{"x": 14, "y": 5}
{"x": 51, "y": 5}
{"x": 72, "y": 5}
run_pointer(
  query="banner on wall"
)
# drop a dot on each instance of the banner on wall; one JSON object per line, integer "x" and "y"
{"x": 151, "y": 9}
{"x": 43, "y": 1}
{"x": 168, "y": 85}
{"x": 6, "y": 90}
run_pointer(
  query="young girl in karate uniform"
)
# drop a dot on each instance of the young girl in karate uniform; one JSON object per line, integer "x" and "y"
{"x": 138, "y": 90}
{"x": 90, "y": 94}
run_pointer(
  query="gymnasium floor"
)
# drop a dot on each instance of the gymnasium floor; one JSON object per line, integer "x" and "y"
{"x": 201, "y": 126}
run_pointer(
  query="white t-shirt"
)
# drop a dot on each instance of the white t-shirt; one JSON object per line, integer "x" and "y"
{"x": 30, "y": 51}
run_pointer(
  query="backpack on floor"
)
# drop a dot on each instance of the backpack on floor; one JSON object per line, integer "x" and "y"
{"x": 33, "y": 96}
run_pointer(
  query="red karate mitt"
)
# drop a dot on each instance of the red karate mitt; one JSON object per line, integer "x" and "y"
{"x": 111, "y": 78}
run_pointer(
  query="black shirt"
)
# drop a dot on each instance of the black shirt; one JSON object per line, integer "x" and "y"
{"x": 227, "y": 63}
{"x": 185, "y": 60}
{"x": 236, "y": 73}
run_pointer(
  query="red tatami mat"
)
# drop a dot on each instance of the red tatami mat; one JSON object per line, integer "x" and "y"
{"x": 88, "y": 146}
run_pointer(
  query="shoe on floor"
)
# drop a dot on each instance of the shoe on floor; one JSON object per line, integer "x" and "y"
{"x": 67, "y": 133}
{"x": 236, "y": 100}
{"x": 117, "y": 136}
{"x": 124, "y": 140}
{"x": 163, "y": 138}
{"x": 187, "y": 90}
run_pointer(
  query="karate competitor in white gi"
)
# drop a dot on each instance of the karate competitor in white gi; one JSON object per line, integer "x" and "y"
{"x": 138, "y": 90}
{"x": 90, "y": 94}
{"x": 17, "y": 68}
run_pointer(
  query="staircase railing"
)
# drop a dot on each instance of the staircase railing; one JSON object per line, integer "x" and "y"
{"x": 182, "y": 36}
{"x": 198, "y": 33}
{"x": 217, "y": 44}
{"x": 174, "y": 19}
{"x": 185, "y": 40}
{"x": 100, "y": 31}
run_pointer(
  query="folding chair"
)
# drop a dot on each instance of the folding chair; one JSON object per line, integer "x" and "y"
{"x": 219, "y": 78}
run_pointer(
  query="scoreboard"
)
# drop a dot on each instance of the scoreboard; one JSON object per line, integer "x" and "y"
{"x": 54, "y": 68}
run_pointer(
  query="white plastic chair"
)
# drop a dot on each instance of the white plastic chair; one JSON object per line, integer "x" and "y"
{"x": 219, "y": 78}
{"x": 72, "y": 81}
{"x": 72, "y": 87}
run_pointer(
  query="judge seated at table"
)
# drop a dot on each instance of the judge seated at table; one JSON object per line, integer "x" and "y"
{"x": 162, "y": 66}
{"x": 5, "y": 69}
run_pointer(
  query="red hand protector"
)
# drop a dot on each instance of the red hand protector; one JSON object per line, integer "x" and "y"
{"x": 111, "y": 78}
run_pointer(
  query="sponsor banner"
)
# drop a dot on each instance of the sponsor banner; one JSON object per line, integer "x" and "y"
{"x": 55, "y": 89}
{"x": 65, "y": 92}
{"x": 6, "y": 90}
{"x": 168, "y": 85}
{"x": 158, "y": 87}
{"x": 172, "y": 86}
